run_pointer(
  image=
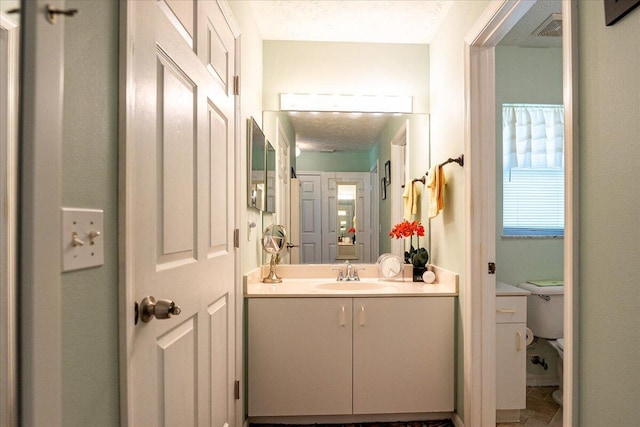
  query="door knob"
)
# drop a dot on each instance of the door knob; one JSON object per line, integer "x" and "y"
{"x": 289, "y": 246}
{"x": 160, "y": 309}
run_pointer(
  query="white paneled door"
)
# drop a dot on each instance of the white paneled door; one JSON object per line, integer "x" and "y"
{"x": 179, "y": 185}
{"x": 310, "y": 219}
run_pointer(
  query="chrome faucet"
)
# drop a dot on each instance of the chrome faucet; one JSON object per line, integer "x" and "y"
{"x": 350, "y": 274}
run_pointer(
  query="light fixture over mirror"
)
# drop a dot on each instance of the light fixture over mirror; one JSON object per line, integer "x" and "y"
{"x": 345, "y": 103}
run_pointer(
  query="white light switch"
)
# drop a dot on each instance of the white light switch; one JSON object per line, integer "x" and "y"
{"x": 82, "y": 238}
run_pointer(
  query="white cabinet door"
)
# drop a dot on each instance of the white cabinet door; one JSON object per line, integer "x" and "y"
{"x": 511, "y": 376}
{"x": 403, "y": 360}
{"x": 300, "y": 356}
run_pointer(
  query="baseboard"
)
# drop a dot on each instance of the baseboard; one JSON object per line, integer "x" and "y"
{"x": 536, "y": 380}
{"x": 349, "y": 419}
{"x": 457, "y": 422}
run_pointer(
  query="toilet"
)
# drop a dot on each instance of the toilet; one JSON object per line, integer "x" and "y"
{"x": 545, "y": 318}
{"x": 559, "y": 346}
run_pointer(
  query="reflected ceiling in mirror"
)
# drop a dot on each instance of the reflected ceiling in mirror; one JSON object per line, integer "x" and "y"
{"x": 336, "y": 132}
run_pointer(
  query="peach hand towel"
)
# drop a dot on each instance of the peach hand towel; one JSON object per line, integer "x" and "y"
{"x": 436, "y": 182}
{"x": 411, "y": 198}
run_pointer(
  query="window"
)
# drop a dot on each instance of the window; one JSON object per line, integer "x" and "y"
{"x": 533, "y": 170}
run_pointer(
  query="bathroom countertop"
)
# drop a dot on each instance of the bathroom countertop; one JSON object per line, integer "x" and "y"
{"x": 306, "y": 285}
{"x": 504, "y": 289}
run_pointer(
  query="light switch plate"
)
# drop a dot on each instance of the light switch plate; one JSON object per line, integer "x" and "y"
{"x": 82, "y": 247}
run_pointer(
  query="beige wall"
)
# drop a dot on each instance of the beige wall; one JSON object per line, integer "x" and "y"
{"x": 609, "y": 212}
{"x": 346, "y": 68}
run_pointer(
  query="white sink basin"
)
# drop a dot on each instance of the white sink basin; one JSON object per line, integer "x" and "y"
{"x": 350, "y": 286}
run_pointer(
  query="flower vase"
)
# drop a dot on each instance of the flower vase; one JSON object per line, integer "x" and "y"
{"x": 418, "y": 272}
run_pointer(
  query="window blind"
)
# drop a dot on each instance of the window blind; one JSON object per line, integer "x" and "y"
{"x": 533, "y": 201}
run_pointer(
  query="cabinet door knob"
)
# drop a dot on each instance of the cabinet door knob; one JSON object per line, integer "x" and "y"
{"x": 363, "y": 316}
{"x": 519, "y": 343}
{"x": 506, "y": 310}
{"x": 343, "y": 318}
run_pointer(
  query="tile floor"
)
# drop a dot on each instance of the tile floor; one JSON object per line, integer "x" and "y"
{"x": 542, "y": 410}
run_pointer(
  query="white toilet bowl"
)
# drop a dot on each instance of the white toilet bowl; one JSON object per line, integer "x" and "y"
{"x": 545, "y": 319}
{"x": 559, "y": 346}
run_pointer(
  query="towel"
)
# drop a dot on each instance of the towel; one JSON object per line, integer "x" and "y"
{"x": 436, "y": 182}
{"x": 411, "y": 197}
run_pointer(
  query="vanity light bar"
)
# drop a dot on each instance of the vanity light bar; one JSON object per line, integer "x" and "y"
{"x": 346, "y": 103}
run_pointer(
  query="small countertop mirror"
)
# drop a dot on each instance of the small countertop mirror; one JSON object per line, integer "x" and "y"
{"x": 274, "y": 241}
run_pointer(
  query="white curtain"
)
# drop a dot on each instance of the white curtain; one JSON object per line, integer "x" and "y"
{"x": 532, "y": 136}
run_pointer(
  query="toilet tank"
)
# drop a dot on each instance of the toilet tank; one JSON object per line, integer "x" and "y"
{"x": 545, "y": 308}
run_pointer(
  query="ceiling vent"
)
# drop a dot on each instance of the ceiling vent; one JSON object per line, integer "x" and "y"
{"x": 551, "y": 27}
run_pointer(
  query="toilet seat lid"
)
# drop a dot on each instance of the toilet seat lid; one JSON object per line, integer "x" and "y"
{"x": 542, "y": 290}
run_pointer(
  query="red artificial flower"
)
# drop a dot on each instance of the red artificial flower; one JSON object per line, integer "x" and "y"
{"x": 351, "y": 230}
{"x": 407, "y": 229}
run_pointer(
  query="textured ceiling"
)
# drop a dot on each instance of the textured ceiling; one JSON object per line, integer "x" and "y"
{"x": 379, "y": 21}
{"x": 341, "y": 132}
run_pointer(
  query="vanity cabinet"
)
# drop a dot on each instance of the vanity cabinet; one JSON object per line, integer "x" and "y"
{"x": 511, "y": 352}
{"x": 299, "y": 356}
{"x": 342, "y": 356}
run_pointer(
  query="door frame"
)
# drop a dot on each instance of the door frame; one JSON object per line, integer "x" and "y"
{"x": 39, "y": 206}
{"x": 479, "y": 306}
{"x": 8, "y": 224}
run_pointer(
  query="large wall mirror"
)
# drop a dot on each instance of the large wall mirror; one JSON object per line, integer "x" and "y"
{"x": 338, "y": 160}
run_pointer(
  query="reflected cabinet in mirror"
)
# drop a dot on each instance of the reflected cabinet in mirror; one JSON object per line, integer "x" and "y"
{"x": 256, "y": 179}
{"x": 261, "y": 192}
{"x": 339, "y": 160}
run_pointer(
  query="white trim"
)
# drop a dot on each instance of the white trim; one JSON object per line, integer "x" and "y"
{"x": 479, "y": 296}
{"x": 40, "y": 220}
{"x": 240, "y": 206}
{"x": 479, "y": 304}
{"x": 127, "y": 97}
{"x": 570, "y": 86}
{"x": 8, "y": 224}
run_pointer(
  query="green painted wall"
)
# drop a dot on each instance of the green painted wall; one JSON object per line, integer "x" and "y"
{"x": 609, "y": 146}
{"x": 527, "y": 76}
{"x": 90, "y": 180}
{"x": 333, "y": 162}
